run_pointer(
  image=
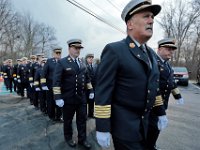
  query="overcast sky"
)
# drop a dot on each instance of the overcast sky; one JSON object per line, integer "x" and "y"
{"x": 71, "y": 22}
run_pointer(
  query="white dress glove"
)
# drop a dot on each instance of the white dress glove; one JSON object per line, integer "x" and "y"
{"x": 31, "y": 84}
{"x": 37, "y": 89}
{"x": 162, "y": 122}
{"x": 180, "y": 101}
{"x": 15, "y": 79}
{"x": 91, "y": 96}
{"x": 19, "y": 81}
{"x": 60, "y": 102}
{"x": 45, "y": 88}
{"x": 103, "y": 138}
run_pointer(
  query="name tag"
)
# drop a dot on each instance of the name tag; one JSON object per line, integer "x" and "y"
{"x": 67, "y": 69}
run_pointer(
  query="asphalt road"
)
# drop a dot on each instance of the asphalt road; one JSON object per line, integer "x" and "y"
{"x": 24, "y": 128}
{"x": 183, "y": 131}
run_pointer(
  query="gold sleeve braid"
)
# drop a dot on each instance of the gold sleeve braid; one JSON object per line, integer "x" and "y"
{"x": 175, "y": 91}
{"x": 30, "y": 78}
{"x": 158, "y": 101}
{"x": 36, "y": 83}
{"x": 43, "y": 80}
{"x": 89, "y": 86}
{"x": 102, "y": 111}
{"x": 56, "y": 90}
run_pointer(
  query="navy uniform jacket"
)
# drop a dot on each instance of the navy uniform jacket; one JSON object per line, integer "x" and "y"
{"x": 15, "y": 70}
{"x": 167, "y": 82}
{"x": 37, "y": 77}
{"x": 32, "y": 70}
{"x": 69, "y": 84}
{"x": 23, "y": 73}
{"x": 125, "y": 91}
{"x": 8, "y": 71}
{"x": 3, "y": 71}
{"x": 92, "y": 73}
{"x": 47, "y": 73}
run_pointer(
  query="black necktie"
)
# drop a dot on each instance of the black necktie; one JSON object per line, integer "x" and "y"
{"x": 142, "y": 47}
{"x": 91, "y": 67}
{"x": 76, "y": 64}
{"x": 167, "y": 66}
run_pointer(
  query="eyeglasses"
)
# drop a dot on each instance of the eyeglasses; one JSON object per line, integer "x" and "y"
{"x": 58, "y": 53}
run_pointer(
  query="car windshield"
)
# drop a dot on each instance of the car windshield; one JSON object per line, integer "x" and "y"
{"x": 179, "y": 69}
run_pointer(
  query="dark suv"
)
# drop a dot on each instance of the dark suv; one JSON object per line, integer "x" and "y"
{"x": 181, "y": 75}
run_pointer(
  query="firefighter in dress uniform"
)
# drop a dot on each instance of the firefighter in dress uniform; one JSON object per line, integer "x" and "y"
{"x": 23, "y": 76}
{"x": 16, "y": 89}
{"x": 54, "y": 112}
{"x": 32, "y": 71}
{"x": 128, "y": 82}
{"x": 8, "y": 72}
{"x": 71, "y": 81}
{"x": 32, "y": 68}
{"x": 37, "y": 86}
{"x": 5, "y": 77}
{"x": 166, "y": 47}
{"x": 91, "y": 67}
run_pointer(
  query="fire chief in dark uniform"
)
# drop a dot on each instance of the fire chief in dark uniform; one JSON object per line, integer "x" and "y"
{"x": 166, "y": 47}
{"x": 127, "y": 82}
{"x": 70, "y": 83}
{"x": 54, "y": 112}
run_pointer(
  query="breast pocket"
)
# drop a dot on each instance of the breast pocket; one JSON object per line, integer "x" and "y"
{"x": 69, "y": 71}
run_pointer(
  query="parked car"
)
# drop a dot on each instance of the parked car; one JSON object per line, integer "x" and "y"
{"x": 181, "y": 75}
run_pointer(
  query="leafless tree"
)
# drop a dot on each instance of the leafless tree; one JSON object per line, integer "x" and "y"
{"x": 178, "y": 18}
{"x": 45, "y": 38}
{"x": 21, "y": 35}
{"x": 35, "y": 37}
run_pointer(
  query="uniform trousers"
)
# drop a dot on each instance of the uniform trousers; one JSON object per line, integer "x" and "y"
{"x": 6, "y": 83}
{"x": 35, "y": 97}
{"x": 54, "y": 112}
{"x": 15, "y": 85}
{"x": 81, "y": 115}
{"x": 128, "y": 145}
{"x": 153, "y": 131}
{"x": 90, "y": 103}
{"x": 42, "y": 99}
{"x": 24, "y": 85}
{"x": 9, "y": 84}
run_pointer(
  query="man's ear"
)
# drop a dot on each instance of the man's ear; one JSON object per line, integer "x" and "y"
{"x": 130, "y": 24}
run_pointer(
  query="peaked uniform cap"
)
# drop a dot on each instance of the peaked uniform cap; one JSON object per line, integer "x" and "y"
{"x": 39, "y": 54}
{"x": 33, "y": 56}
{"x": 57, "y": 49}
{"x": 75, "y": 43}
{"x": 19, "y": 59}
{"x": 89, "y": 55}
{"x": 135, "y": 6}
{"x": 9, "y": 60}
{"x": 24, "y": 58}
{"x": 167, "y": 42}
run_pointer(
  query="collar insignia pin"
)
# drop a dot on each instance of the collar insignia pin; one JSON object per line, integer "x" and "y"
{"x": 131, "y": 45}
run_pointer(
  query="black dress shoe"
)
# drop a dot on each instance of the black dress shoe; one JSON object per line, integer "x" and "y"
{"x": 71, "y": 143}
{"x": 85, "y": 144}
